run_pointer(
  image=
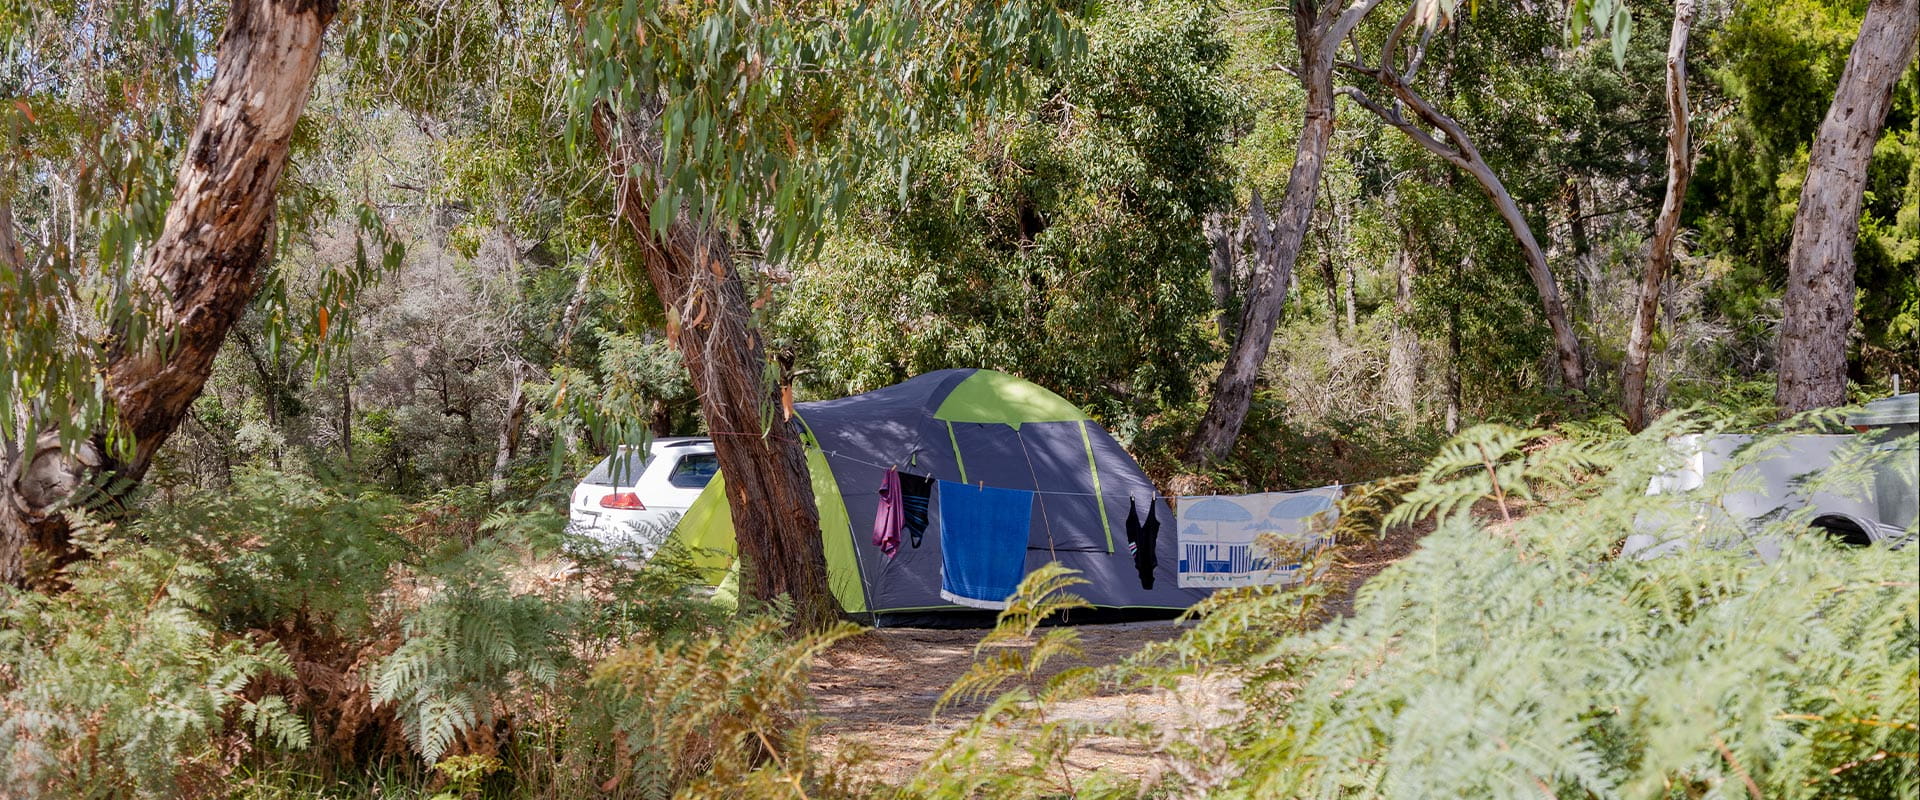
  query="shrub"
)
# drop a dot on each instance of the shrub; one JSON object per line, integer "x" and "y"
{"x": 1525, "y": 658}
{"x": 715, "y": 715}
{"x": 122, "y": 685}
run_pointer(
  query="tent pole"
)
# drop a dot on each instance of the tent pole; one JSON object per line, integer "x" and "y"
{"x": 1046, "y": 518}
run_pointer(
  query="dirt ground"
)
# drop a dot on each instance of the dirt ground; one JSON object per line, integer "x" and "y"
{"x": 878, "y": 690}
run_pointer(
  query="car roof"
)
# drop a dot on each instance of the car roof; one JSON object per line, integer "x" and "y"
{"x": 665, "y": 443}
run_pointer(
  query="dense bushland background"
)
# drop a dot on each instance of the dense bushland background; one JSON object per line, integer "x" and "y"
{"x": 291, "y": 639}
{"x": 1067, "y": 240}
{"x": 345, "y": 573}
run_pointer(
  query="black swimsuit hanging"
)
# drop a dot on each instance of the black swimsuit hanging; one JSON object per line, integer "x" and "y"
{"x": 1142, "y": 540}
{"x": 916, "y": 491}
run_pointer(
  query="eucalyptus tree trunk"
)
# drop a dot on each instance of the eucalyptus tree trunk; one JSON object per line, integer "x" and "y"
{"x": 1224, "y": 237}
{"x": 1666, "y": 227}
{"x": 1403, "y": 352}
{"x": 1319, "y": 27}
{"x": 1582, "y": 247}
{"x": 1459, "y": 150}
{"x": 1347, "y": 280}
{"x": 198, "y": 275}
{"x": 1818, "y": 306}
{"x": 11, "y": 254}
{"x": 507, "y": 444}
{"x": 693, "y": 269}
{"x": 513, "y": 422}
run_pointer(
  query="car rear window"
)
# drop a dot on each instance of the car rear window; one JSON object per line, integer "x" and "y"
{"x": 694, "y": 471}
{"x": 621, "y": 469}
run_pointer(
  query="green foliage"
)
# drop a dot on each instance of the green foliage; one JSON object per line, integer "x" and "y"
{"x": 468, "y": 646}
{"x": 767, "y": 112}
{"x": 1778, "y": 64}
{"x": 124, "y": 685}
{"x": 714, "y": 714}
{"x": 616, "y": 399}
{"x": 438, "y": 612}
{"x": 1061, "y": 240}
{"x": 1514, "y": 659}
{"x": 447, "y": 627}
{"x": 285, "y": 547}
{"x": 464, "y": 774}
{"x": 1502, "y": 463}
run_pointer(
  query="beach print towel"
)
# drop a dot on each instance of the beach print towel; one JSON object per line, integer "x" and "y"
{"x": 1218, "y": 536}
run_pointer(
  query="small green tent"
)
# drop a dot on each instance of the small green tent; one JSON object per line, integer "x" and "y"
{"x": 966, "y": 426}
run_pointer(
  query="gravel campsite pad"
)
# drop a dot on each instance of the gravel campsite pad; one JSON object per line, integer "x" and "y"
{"x": 878, "y": 690}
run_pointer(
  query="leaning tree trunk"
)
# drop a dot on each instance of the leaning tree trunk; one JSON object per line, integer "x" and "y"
{"x": 1318, "y": 29}
{"x": 1818, "y": 306}
{"x": 1459, "y": 150}
{"x": 199, "y": 274}
{"x": 1666, "y": 227}
{"x": 691, "y": 266}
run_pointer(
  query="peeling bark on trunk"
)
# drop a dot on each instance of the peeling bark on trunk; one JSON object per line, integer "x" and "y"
{"x": 1319, "y": 28}
{"x": 199, "y": 273}
{"x": 1665, "y": 227}
{"x": 1818, "y": 306}
{"x": 692, "y": 267}
{"x": 1224, "y": 236}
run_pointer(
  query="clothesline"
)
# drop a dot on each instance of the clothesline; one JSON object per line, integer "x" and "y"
{"x": 878, "y": 465}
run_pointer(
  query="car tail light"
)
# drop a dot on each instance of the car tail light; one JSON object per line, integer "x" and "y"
{"x": 626, "y": 500}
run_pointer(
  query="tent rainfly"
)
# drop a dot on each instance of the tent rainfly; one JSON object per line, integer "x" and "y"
{"x": 970, "y": 426}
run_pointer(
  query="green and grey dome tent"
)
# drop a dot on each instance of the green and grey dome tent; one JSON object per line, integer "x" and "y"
{"x": 976, "y": 427}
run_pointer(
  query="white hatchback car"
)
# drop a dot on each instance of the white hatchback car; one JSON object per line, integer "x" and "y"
{"x": 629, "y": 498}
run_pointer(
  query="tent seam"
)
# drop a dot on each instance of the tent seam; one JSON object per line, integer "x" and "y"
{"x": 1099, "y": 500}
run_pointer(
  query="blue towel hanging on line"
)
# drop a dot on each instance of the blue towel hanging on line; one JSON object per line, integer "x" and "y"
{"x": 983, "y": 543}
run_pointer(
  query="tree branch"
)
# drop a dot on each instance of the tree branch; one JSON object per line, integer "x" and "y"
{"x": 1419, "y": 55}
{"x": 1393, "y": 38}
{"x": 1392, "y": 116}
{"x": 1385, "y": 114}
